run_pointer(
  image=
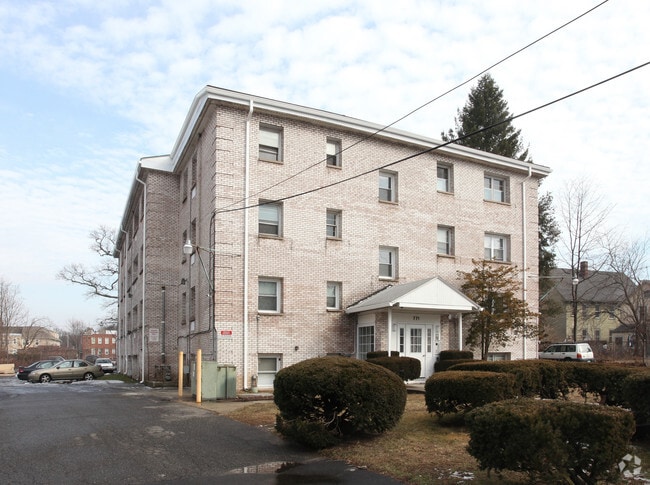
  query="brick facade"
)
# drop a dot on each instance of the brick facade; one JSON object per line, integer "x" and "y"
{"x": 198, "y": 193}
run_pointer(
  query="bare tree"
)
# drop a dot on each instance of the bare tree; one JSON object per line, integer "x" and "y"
{"x": 12, "y": 312}
{"x": 628, "y": 261}
{"x": 100, "y": 280}
{"x": 72, "y": 336}
{"x": 583, "y": 215}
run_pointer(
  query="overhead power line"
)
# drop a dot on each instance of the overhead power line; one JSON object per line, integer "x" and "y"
{"x": 431, "y": 101}
{"x": 455, "y": 140}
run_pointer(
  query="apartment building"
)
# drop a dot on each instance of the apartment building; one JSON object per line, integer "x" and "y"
{"x": 273, "y": 233}
{"x": 100, "y": 344}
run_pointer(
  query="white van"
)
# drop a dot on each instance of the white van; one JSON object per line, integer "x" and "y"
{"x": 568, "y": 351}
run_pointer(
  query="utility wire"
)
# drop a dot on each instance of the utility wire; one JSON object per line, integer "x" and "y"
{"x": 375, "y": 133}
{"x": 390, "y": 164}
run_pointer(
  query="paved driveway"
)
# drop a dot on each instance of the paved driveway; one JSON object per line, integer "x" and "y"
{"x": 105, "y": 432}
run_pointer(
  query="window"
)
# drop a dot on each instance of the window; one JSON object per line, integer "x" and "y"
{"x": 446, "y": 240}
{"x": 388, "y": 186}
{"x": 269, "y": 295}
{"x": 270, "y": 144}
{"x": 270, "y": 219}
{"x": 387, "y": 262}
{"x": 496, "y": 247}
{"x": 366, "y": 339}
{"x": 267, "y": 368}
{"x": 444, "y": 178}
{"x": 333, "y": 153}
{"x": 195, "y": 175}
{"x": 192, "y": 303}
{"x": 333, "y": 295}
{"x": 495, "y": 189}
{"x": 333, "y": 223}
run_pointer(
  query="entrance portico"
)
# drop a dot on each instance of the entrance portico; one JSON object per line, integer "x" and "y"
{"x": 416, "y": 319}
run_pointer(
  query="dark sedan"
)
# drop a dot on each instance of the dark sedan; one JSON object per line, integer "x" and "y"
{"x": 23, "y": 371}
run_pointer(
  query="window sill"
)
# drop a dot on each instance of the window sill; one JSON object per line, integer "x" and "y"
{"x": 497, "y": 202}
{"x": 387, "y": 278}
{"x": 445, "y": 192}
{"x": 446, "y": 256}
{"x": 278, "y": 162}
{"x": 269, "y": 313}
{"x": 262, "y": 235}
{"x": 497, "y": 261}
{"x": 333, "y": 238}
{"x": 389, "y": 202}
{"x": 334, "y": 310}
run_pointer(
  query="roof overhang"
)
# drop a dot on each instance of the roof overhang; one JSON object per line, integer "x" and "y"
{"x": 430, "y": 295}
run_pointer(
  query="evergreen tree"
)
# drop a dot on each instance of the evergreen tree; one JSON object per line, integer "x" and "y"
{"x": 486, "y": 106}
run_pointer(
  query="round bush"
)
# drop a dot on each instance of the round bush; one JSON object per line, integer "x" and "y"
{"x": 555, "y": 441}
{"x": 324, "y": 399}
{"x": 461, "y": 391}
{"x": 407, "y": 368}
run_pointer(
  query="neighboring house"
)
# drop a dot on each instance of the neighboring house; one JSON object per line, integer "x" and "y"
{"x": 100, "y": 344}
{"x": 29, "y": 337}
{"x": 598, "y": 304}
{"x": 274, "y": 233}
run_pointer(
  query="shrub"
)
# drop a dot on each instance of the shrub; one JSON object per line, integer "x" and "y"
{"x": 462, "y": 391}
{"x": 456, "y": 355}
{"x": 325, "y": 399}
{"x": 381, "y": 353}
{"x": 550, "y": 440}
{"x": 543, "y": 378}
{"x": 635, "y": 391}
{"x": 443, "y": 365}
{"x": 406, "y": 368}
{"x": 602, "y": 380}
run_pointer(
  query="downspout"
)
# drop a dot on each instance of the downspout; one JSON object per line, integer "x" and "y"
{"x": 524, "y": 252}
{"x": 247, "y": 161}
{"x": 144, "y": 264}
{"x": 390, "y": 326}
{"x": 124, "y": 367}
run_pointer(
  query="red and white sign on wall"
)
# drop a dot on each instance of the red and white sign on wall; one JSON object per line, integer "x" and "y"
{"x": 225, "y": 333}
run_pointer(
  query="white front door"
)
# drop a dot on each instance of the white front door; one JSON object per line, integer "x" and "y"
{"x": 421, "y": 342}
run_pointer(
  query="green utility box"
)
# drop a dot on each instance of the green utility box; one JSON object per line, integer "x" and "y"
{"x": 218, "y": 381}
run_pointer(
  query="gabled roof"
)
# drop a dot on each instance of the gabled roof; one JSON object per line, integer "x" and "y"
{"x": 597, "y": 287}
{"x": 432, "y": 294}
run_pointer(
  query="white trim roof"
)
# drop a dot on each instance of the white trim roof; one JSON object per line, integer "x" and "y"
{"x": 432, "y": 294}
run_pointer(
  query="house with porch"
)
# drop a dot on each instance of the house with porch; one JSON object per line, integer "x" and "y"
{"x": 273, "y": 233}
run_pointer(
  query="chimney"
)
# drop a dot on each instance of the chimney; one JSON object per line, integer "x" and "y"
{"x": 584, "y": 270}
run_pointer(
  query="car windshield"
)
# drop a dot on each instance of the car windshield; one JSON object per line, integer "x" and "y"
{"x": 103, "y": 361}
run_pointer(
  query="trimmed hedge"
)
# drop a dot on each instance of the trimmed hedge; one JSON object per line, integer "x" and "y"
{"x": 325, "y": 399}
{"x": 554, "y": 441}
{"x": 636, "y": 391}
{"x": 406, "y": 368}
{"x": 381, "y": 353}
{"x": 604, "y": 381}
{"x": 443, "y": 365}
{"x": 456, "y": 355}
{"x": 461, "y": 391}
{"x": 543, "y": 378}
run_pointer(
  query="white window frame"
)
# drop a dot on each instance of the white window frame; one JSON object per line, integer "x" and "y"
{"x": 333, "y": 223}
{"x": 267, "y": 221}
{"x": 445, "y": 240}
{"x": 333, "y": 295}
{"x": 496, "y": 247}
{"x": 365, "y": 341}
{"x": 333, "y": 153}
{"x": 270, "y": 143}
{"x": 387, "y": 186}
{"x": 271, "y": 290}
{"x": 496, "y": 188}
{"x": 445, "y": 183}
{"x": 388, "y": 259}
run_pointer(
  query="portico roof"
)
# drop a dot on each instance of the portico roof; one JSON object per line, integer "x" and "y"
{"x": 432, "y": 294}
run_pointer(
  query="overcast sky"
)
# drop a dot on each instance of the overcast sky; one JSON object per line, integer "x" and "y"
{"x": 90, "y": 87}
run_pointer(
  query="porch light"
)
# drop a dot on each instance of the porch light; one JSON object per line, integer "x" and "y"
{"x": 188, "y": 248}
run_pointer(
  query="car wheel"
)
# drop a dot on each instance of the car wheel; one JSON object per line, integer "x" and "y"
{"x": 45, "y": 378}
{"x": 89, "y": 376}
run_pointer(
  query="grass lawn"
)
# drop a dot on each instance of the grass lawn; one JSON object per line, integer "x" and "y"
{"x": 417, "y": 451}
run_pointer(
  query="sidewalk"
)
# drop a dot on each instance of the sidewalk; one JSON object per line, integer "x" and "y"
{"x": 243, "y": 399}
